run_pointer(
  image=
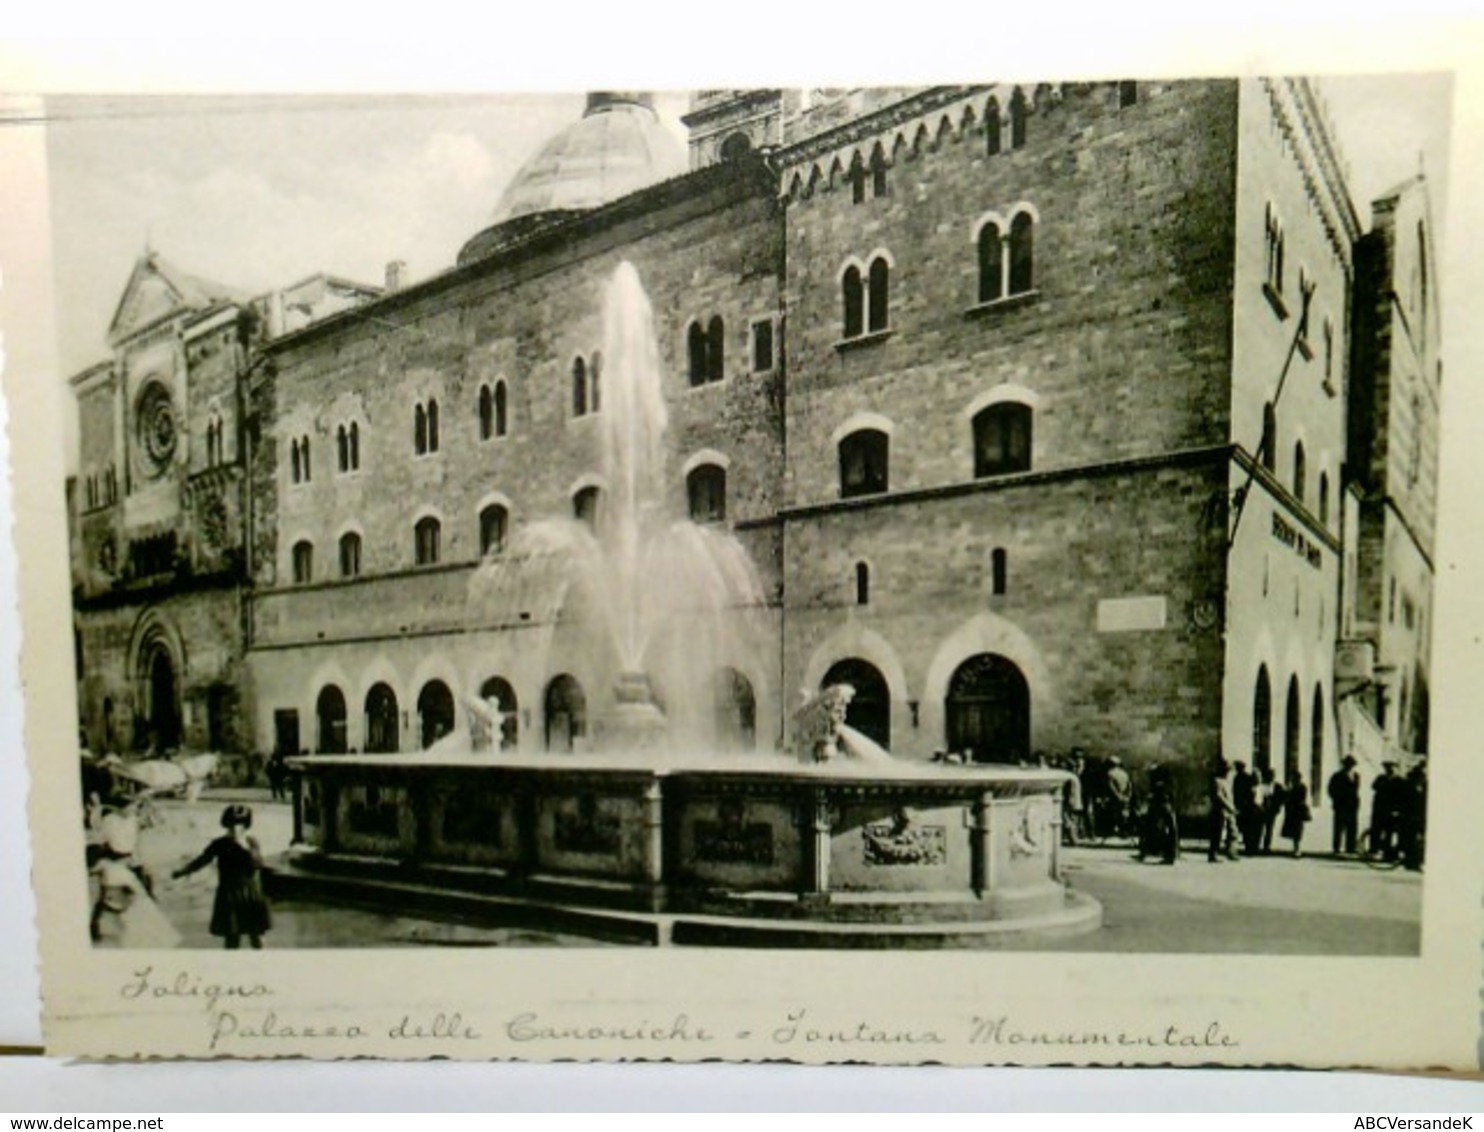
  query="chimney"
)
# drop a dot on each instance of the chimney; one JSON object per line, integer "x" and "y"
{"x": 396, "y": 272}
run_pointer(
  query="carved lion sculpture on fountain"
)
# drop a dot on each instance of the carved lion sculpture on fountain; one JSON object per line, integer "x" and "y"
{"x": 821, "y": 735}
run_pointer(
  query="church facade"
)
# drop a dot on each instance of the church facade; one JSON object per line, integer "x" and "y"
{"x": 1049, "y": 416}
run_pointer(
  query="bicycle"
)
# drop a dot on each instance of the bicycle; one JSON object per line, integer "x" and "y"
{"x": 1378, "y": 858}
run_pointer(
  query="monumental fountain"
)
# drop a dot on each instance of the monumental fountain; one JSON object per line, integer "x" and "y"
{"x": 650, "y": 832}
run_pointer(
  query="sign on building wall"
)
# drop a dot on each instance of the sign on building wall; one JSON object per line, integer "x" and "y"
{"x": 1132, "y": 614}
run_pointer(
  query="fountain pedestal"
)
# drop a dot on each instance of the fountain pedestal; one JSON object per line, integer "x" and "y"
{"x": 740, "y": 850}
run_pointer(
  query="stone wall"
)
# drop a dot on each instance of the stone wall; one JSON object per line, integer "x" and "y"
{"x": 1123, "y": 344}
{"x": 203, "y": 631}
{"x": 1074, "y": 544}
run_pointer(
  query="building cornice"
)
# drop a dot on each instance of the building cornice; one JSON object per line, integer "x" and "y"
{"x": 856, "y": 129}
{"x": 1296, "y": 109}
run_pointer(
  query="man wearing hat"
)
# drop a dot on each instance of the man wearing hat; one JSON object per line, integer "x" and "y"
{"x": 1386, "y": 799}
{"x": 1344, "y": 800}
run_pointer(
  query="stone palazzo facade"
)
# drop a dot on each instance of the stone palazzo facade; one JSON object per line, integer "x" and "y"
{"x": 1072, "y": 415}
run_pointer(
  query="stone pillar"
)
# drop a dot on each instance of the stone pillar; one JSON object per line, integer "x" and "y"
{"x": 817, "y": 846}
{"x": 982, "y": 846}
{"x": 296, "y": 785}
{"x": 654, "y": 843}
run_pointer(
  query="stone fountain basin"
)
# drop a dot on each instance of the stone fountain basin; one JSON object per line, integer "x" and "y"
{"x": 708, "y": 844}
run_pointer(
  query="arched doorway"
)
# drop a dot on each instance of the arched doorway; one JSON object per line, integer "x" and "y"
{"x": 382, "y": 732}
{"x": 1262, "y": 722}
{"x": 735, "y": 708}
{"x": 499, "y": 696}
{"x": 329, "y": 709}
{"x": 988, "y": 710}
{"x": 434, "y": 712}
{"x": 870, "y": 708}
{"x": 162, "y": 698}
{"x": 1291, "y": 725}
{"x": 566, "y": 713}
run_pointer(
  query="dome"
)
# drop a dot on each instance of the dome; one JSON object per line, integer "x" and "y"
{"x": 616, "y": 147}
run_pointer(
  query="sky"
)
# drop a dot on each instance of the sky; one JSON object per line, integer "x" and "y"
{"x": 260, "y": 192}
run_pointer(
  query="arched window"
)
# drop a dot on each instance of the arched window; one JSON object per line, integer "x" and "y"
{"x": 494, "y": 522}
{"x": 585, "y": 505}
{"x": 355, "y": 446}
{"x": 715, "y": 349}
{"x": 1018, "y": 115}
{"x": 695, "y": 350}
{"x": 1268, "y": 450}
{"x": 706, "y": 493}
{"x": 878, "y": 172}
{"x": 342, "y": 449}
{"x": 853, "y": 293}
{"x": 869, "y": 710}
{"x": 1324, "y": 498}
{"x": 736, "y": 147}
{"x": 420, "y": 429}
{"x": 502, "y": 410}
{"x": 350, "y": 555}
{"x": 1002, "y": 439}
{"x": 432, "y": 425}
{"x": 304, "y": 457}
{"x": 566, "y": 713}
{"x": 486, "y": 413}
{"x": 857, "y": 180}
{"x": 383, "y": 732}
{"x": 303, "y": 562}
{"x": 999, "y": 570}
{"x": 298, "y": 463}
{"x": 991, "y": 263}
{"x": 579, "y": 388}
{"x": 863, "y": 463}
{"x": 329, "y": 710}
{"x": 878, "y": 301}
{"x": 1292, "y": 722}
{"x": 992, "y": 127}
{"x": 862, "y": 584}
{"x": 426, "y": 536}
{"x": 1022, "y": 254}
{"x": 1299, "y": 471}
{"x": 1262, "y": 722}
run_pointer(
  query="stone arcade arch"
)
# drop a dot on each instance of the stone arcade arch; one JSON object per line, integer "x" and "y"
{"x": 498, "y": 692}
{"x": 161, "y": 697}
{"x": 330, "y": 714}
{"x": 566, "y": 713}
{"x": 870, "y": 709}
{"x": 383, "y": 733}
{"x": 435, "y": 712}
{"x": 987, "y": 710}
{"x": 158, "y": 666}
{"x": 736, "y": 711}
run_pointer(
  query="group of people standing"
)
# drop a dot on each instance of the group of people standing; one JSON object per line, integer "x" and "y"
{"x": 1398, "y": 812}
{"x": 1250, "y": 809}
{"x": 1247, "y": 806}
{"x": 1101, "y": 800}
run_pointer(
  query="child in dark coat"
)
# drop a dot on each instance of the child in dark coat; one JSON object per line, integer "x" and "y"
{"x": 241, "y": 909}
